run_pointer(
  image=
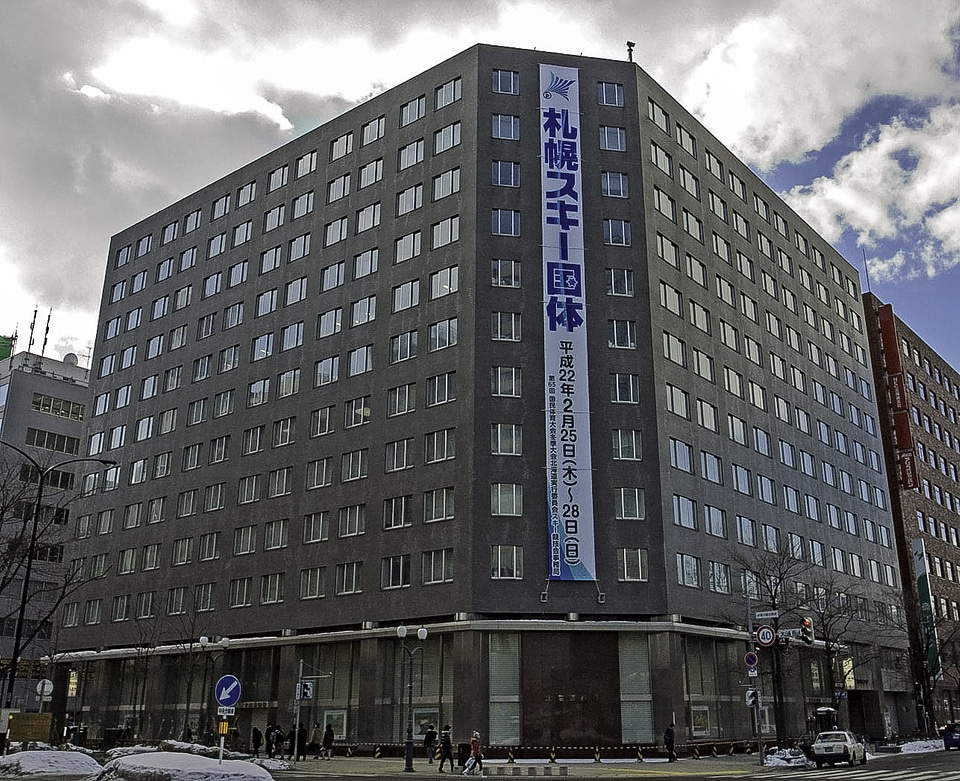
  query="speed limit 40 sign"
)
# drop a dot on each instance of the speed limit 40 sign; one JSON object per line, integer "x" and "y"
{"x": 766, "y": 635}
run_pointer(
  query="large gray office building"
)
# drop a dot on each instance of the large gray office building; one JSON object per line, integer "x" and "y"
{"x": 517, "y": 352}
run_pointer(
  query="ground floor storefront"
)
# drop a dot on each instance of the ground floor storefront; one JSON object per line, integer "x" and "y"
{"x": 526, "y": 685}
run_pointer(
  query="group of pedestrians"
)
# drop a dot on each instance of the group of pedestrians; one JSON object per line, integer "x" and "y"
{"x": 293, "y": 743}
{"x": 432, "y": 742}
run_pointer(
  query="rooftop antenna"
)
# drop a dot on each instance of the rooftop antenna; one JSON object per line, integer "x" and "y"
{"x": 46, "y": 333}
{"x": 866, "y": 268}
{"x": 630, "y": 45}
{"x": 33, "y": 324}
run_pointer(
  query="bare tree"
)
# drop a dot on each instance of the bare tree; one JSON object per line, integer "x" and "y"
{"x": 51, "y": 582}
{"x": 783, "y": 579}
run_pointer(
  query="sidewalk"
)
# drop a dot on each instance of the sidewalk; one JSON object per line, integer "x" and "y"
{"x": 735, "y": 765}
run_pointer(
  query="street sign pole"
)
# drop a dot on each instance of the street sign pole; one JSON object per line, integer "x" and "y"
{"x": 227, "y": 692}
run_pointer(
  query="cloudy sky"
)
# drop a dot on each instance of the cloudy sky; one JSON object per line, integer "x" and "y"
{"x": 111, "y": 109}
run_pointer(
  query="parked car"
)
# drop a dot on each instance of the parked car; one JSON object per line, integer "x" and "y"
{"x": 838, "y": 746}
{"x": 951, "y": 736}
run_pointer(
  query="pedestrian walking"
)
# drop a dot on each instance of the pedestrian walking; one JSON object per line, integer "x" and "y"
{"x": 430, "y": 743}
{"x": 474, "y": 765}
{"x": 446, "y": 748}
{"x": 328, "y": 742}
{"x": 291, "y": 741}
{"x": 269, "y": 738}
{"x": 316, "y": 739}
{"x": 669, "y": 740}
{"x": 256, "y": 740}
{"x": 301, "y": 743}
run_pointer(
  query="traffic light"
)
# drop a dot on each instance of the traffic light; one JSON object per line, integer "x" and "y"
{"x": 806, "y": 630}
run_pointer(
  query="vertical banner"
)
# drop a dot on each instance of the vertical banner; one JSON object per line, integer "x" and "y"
{"x": 928, "y": 617}
{"x": 569, "y": 469}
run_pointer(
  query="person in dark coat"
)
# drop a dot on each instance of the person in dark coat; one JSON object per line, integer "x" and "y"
{"x": 669, "y": 740}
{"x": 430, "y": 743}
{"x": 301, "y": 743}
{"x": 446, "y": 747}
{"x": 256, "y": 740}
{"x": 271, "y": 734}
{"x": 328, "y": 742}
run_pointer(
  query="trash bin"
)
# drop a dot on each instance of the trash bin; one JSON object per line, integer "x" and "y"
{"x": 463, "y": 753}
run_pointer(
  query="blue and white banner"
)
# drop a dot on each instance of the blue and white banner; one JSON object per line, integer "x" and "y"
{"x": 569, "y": 468}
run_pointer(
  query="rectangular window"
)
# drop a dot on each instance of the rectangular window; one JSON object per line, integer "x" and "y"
{"x": 505, "y": 222}
{"x": 395, "y": 571}
{"x": 441, "y": 389}
{"x": 413, "y": 110}
{"x": 506, "y": 82}
{"x": 398, "y": 455}
{"x": 338, "y": 188}
{"x": 448, "y": 231}
{"x": 505, "y": 381}
{"x": 632, "y": 565}
{"x": 616, "y": 233}
{"x": 629, "y": 504}
{"x": 448, "y": 93}
{"x": 371, "y": 173}
{"x": 446, "y": 138}
{"x": 504, "y": 173}
{"x": 609, "y": 94}
{"x": 505, "y": 326}
{"x": 403, "y": 347}
{"x": 506, "y": 562}
{"x": 438, "y": 505}
{"x": 448, "y": 183}
{"x": 306, "y": 164}
{"x": 613, "y": 139}
{"x": 341, "y": 146}
{"x": 368, "y": 217}
{"x": 410, "y": 199}
{"x": 410, "y": 155}
{"x": 614, "y": 184}
{"x": 439, "y": 446}
{"x": 506, "y": 126}
{"x": 659, "y": 117}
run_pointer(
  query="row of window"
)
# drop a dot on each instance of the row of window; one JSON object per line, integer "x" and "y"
{"x": 687, "y": 143}
{"x": 411, "y": 111}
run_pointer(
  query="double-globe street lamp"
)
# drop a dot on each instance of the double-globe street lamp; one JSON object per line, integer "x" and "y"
{"x": 410, "y": 652}
{"x": 224, "y": 643}
{"x": 42, "y": 474}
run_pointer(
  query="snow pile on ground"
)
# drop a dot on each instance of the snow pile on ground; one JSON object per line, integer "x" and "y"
{"x": 177, "y": 746}
{"x": 169, "y": 765}
{"x": 921, "y": 746}
{"x": 58, "y": 763}
{"x": 271, "y": 764}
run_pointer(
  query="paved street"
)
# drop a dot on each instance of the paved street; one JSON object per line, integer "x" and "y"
{"x": 938, "y": 766}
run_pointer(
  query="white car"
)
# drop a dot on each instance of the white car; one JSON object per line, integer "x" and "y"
{"x": 838, "y": 746}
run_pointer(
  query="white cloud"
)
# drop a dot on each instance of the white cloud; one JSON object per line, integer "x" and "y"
{"x": 233, "y": 76}
{"x": 901, "y": 186}
{"x": 93, "y": 92}
{"x": 779, "y": 85}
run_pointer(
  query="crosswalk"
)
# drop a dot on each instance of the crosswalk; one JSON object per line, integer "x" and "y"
{"x": 856, "y": 773}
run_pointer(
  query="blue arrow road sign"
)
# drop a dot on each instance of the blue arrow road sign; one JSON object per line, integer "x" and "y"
{"x": 227, "y": 690}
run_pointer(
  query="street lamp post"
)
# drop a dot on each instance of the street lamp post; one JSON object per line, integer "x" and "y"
{"x": 42, "y": 474}
{"x": 410, "y": 652}
{"x": 207, "y": 734}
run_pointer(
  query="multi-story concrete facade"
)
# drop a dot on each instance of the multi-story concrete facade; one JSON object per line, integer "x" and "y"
{"x": 919, "y": 394}
{"x": 42, "y": 407}
{"x": 516, "y": 351}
